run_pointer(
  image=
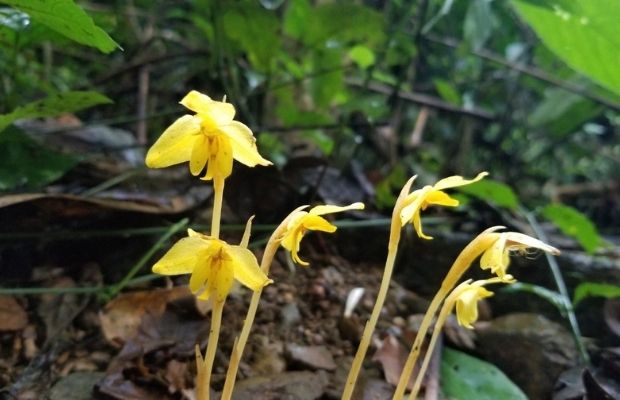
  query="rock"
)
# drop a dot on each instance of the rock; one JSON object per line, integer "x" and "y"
{"x": 76, "y": 386}
{"x": 532, "y": 350}
{"x": 314, "y": 357}
{"x": 290, "y": 315}
{"x": 297, "y": 385}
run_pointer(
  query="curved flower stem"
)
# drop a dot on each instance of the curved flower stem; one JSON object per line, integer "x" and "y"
{"x": 445, "y": 311}
{"x": 460, "y": 265}
{"x": 395, "y": 230}
{"x": 203, "y": 384}
{"x": 240, "y": 342}
{"x": 218, "y": 188}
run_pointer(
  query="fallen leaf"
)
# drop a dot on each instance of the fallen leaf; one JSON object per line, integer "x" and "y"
{"x": 12, "y": 315}
{"x": 392, "y": 356}
{"x": 315, "y": 357}
{"x": 122, "y": 316}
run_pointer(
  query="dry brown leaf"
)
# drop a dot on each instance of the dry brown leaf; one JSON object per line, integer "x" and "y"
{"x": 12, "y": 315}
{"x": 392, "y": 356}
{"x": 122, "y": 316}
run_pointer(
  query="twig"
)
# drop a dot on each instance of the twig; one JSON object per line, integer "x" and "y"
{"x": 424, "y": 99}
{"x": 528, "y": 70}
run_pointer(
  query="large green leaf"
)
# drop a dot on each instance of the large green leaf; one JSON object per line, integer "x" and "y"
{"x": 593, "y": 289}
{"x": 27, "y": 164}
{"x": 68, "y": 19}
{"x": 494, "y": 192}
{"x": 54, "y": 105}
{"x": 464, "y": 377}
{"x": 575, "y": 224}
{"x": 582, "y": 33}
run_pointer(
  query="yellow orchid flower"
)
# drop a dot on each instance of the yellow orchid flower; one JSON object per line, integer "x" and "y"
{"x": 466, "y": 296}
{"x": 213, "y": 264}
{"x": 299, "y": 222}
{"x": 420, "y": 199}
{"x": 211, "y": 138}
{"x": 497, "y": 256}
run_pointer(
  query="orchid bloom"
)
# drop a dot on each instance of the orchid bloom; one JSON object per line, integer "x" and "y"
{"x": 466, "y": 296}
{"x": 420, "y": 199}
{"x": 213, "y": 264}
{"x": 302, "y": 221}
{"x": 210, "y": 137}
{"x": 497, "y": 256}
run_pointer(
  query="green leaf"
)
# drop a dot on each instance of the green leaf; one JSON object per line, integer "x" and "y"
{"x": 575, "y": 224}
{"x": 68, "y": 19}
{"x": 256, "y": 31}
{"x": 562, "y": 112}
{"x": 552, "y": 297}
{"x": 464, "y": 377}
{"x": 362, "y": 56}
{"x": 480, "y": 22}
{"x": 54, "y": 105}
{"x": 593, "y": 289}
{"x": 584, "y": 34}
{"x": 321, "y": 140}
{"x": 494, "y": 192}
{"x": 27, "y": 164}
{"x": 447, "y": 91}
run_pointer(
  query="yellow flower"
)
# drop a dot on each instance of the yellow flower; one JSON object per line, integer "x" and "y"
{"x": 420, "y": 199}
{"x": 211, "y": 138}
{"x": 497, "y": 256}
{"x": 466, "y": 296}
{"x": 213, "y": 264}
{"x": 302, "y": 221}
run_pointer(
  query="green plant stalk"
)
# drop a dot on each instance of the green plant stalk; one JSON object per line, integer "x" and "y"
{"x": 561, "y": 285}
{"x": 114, "y": 290}
{"x": 235, "y": 357}
{"x": 459, "y": 267}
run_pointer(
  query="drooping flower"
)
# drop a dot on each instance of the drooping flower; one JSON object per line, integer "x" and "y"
{"x": 466, "y": 296}
{"x": 420, "y": 199}
{"x": 213, "y": 265}
{"x": 497, "y": 256}
{"x": 210, "y": 137}
{"x": 302, "y": 221}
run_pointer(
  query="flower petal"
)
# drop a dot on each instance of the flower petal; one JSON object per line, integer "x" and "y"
{"x": 245, "y": 239}
{"x": 217, "y": 112}
{"x": 200, "y": 155}
{"x": 246, "y": 269}
{"x": 412, "y": 204}
{"x": 496, "y": 257}
{"x": 223, "y": 279}
{"x": 220, "y": 160}
{"x": 329, "y": 209}
{"x": 182, "y": 257}
{"x": 317, "y": 223}
{"x": 515, "y": 239}
{"x": 467, "y": 304}
{"x": 439, "y": 198}
{"x": 200, "y": 275}
{"x": 456, "y": 180}
{"x": 175, "y": 145}
{"x": 417, "y": 225}
{"x": 243, "y": 144}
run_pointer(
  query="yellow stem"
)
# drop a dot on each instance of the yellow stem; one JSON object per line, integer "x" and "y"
{"x": 218, "y": 189}
{"x": 461, "y": 264}
{"x": 239, "y": 346}
{"x": 376, "y": 311}
{"x": 446, "y": 309}
{"x": 203, "y": 383}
